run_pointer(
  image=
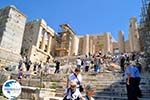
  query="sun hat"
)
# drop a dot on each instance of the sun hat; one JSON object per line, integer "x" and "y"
{"x": 89, "y": 87}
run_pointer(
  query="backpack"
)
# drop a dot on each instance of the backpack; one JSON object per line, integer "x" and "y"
{"x": 65, "y": 98}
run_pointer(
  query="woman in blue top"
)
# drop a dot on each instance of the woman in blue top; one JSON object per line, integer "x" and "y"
{"x": 137, "y": 79}
{"x": 133, "y": 80}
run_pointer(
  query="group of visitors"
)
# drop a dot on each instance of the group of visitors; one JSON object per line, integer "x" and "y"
{"x": 26, "y": 67}
{"x": 129, "y": 65}
{"x": 131, "y": 68}
{"x": 75, "y": 87}
{"x": 90, "y": 62}
{"x": 127, "y": 57}
{"x": 83, "y": 63}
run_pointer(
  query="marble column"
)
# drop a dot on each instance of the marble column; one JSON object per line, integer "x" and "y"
{"x": 49, "y": 44}
{"x": 91, "y": 46}
{"x": 75, "y": 45}
{"x": 134, "y": 35}
{"x": 43, "y": 40}
{"x": 40, "y": 33}
{"x": 93, "y": 51}
{"x": 69, "y": 47}
{"x": 121, "y": 43}
{"x": 136, "y": 40}
{"x": 86, "y": 44}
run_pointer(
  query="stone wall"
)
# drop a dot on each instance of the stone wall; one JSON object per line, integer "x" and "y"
{"x": 127, "y": 47}
{"x": 34, "y": 93}
{"x": 37, "y": 40}
{"x": 3, "y": 20}
{"x": 14, "y": 29}
{"x": 8, "y": 57}
{"x": 4, "y": 76}
{"x": 11, "y": 30}
{"x": 30, "y": 37}
{"x": 37, "y": 55}
{"x": 134, "y": 40}
{"x": 145, "y": 37}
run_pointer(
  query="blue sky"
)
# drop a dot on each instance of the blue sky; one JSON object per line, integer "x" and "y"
{"x": 84, "y": 16}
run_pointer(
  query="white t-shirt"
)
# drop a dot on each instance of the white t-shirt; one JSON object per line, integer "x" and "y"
{"x": 78, "y": 62}
{"x": 74, "y": 96}
{"x": 87, "y": 63}
{"x": 72, "y": 77}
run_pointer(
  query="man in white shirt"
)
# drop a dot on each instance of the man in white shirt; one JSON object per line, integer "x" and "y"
{"x": 75, "y": 76}
{"x": 78, "y": 62}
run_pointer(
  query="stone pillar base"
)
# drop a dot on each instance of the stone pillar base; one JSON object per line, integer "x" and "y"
{"x": 7, "y": 57}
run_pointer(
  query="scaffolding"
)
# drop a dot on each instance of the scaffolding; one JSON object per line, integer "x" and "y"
{"x": 144, "y": 28}
{"x": 145, "y": 14}
{"x": 65, "y": 40}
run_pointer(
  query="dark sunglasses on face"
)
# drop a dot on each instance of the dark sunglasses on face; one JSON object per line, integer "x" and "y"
{"x": 73, "y": 86}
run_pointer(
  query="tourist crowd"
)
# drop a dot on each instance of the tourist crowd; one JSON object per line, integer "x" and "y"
{"x": 130, "y": 66}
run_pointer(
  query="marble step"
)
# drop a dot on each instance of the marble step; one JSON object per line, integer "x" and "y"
{"x": 54, "y": 98}
{"x": 117, "y": 93}
{"x": 102, "y": 84}
{"x": 59, "y": 94}
{"x": 107, "y": 91}
{"x": 116, "y": 98}
{"x": 110, "y": 78}
{"x": 102, "y": 98}
{"x": 85, "y": 80}
{"x": 59, "y": 78}
{"x": 120, "y": 90}
{"x": 118, "y": 86}
{"x": 99, "y": 84}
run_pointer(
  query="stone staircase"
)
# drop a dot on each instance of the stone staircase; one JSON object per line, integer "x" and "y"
{"x": 109, "y": 85}
{"x": 112, "y": 87}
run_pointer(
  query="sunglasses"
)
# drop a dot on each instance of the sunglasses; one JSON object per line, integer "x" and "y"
{"x": 73, "y": 86}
